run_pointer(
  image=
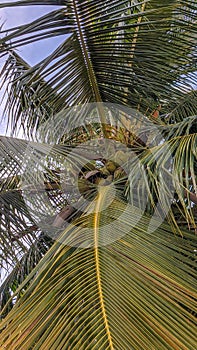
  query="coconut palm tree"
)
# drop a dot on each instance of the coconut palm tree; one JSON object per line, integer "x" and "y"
{"x": 98, "y": 199}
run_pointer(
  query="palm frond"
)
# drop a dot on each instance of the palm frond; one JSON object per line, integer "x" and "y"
{"x": 187, "y": 126}
{"x": 51, "y": 24}
{"x": 110, "y": 54}
{"x": 166, "y": 174}
{"x": 161, "y": 164}
{"x": 20, "y": 269}
{"x": 135, "y": 292}
{"x": 16, "y": 224}
{"x": 35, "y": 2}
{"x": 24, "y": 107}
{"x": 181, "y": 108}
{"x": 116, "y": 277}
{"x": 30, "y": 175}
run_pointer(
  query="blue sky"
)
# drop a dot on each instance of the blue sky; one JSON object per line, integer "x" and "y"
{"x": 13, "y": 17}
{"x": 16, "y": 16}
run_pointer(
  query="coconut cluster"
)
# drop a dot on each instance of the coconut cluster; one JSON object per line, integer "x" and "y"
{"x": 104, "y": 172}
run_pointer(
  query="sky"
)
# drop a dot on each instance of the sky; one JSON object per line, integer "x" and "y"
{"x": 13, "y": 17}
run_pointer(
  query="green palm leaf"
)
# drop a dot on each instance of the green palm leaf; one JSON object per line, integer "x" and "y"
{"x": 115, "y": 277}
{"x": 168, "y": 174}
{"x": 19, "y": 223}
{"x": 182, "y": 107}
{"x": 137, "y": 292}
{"x": 110, "y": 52}
{"x": 21, "y": 267}
{"x": 23, "y": 106}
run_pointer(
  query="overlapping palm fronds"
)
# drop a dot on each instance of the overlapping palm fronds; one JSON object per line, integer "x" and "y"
{"x": 101, "y": 278}
{"x": 23, "y": 106}
{"x": 136, "y": 291}
{"x": 134, "y": 53}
